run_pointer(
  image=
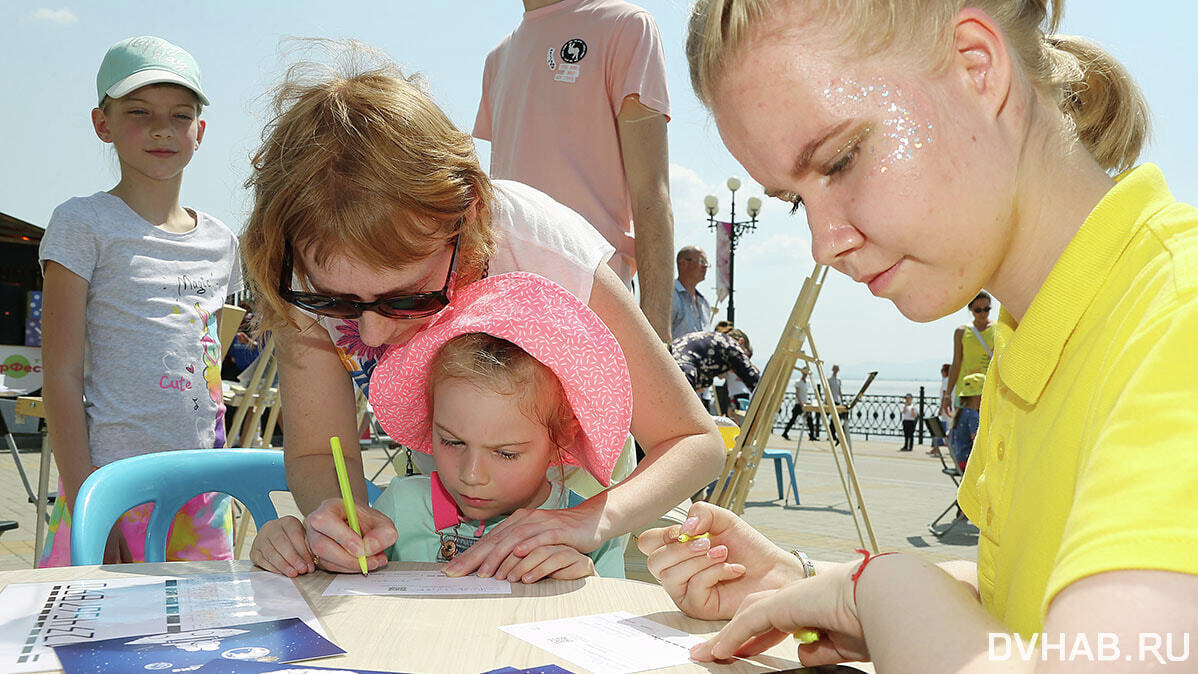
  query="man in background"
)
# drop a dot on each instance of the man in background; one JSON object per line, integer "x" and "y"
{"x": 945, "y": 414}
{"x": 800, "y": 401}
{"x": 575, "y": 104}
{"x": 834, "y": 385}
{"x": 691, "y": 311}
{"x": 837, "y": 400}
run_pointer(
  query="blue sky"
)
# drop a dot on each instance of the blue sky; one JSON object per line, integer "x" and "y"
{"x": 52, "y": 51}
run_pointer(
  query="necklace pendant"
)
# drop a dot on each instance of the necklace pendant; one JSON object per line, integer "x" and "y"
{"x": 449, "y": 547}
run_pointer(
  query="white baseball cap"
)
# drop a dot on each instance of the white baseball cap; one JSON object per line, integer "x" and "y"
{"x": 136, "y": 62}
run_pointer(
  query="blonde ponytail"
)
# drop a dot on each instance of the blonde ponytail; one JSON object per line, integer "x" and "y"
{"x": 1108, "y": 110}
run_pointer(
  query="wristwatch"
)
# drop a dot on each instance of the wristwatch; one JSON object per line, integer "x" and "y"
{"x": 808, "y": 565}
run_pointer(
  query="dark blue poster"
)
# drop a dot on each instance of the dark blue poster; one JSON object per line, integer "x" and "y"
{"x": 275, "y": 641}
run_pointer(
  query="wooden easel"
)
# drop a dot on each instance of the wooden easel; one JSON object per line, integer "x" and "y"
{"x": 741, "y": 465}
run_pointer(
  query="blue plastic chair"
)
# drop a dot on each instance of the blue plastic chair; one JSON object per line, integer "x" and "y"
{"x": 169, "y": 480}
{"x": 249, "y": 475}
{"x": 778, "y": 456}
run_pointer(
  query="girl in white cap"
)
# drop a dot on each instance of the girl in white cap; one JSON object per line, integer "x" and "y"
{"x": 134, "y": 284}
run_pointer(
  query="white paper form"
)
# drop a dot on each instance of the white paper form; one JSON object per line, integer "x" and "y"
{"x": 619, "y": 643}
{"x": 36, "y": 616}
{"x": 430, "y": 582}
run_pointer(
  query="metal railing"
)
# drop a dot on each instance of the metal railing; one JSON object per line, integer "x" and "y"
{"x": 878, "y": 415}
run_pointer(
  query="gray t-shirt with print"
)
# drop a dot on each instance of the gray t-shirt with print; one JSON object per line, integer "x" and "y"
{"x": 152, "y": 359}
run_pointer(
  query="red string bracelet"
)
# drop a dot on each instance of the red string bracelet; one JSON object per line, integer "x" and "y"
{"x": 861, "y": 569}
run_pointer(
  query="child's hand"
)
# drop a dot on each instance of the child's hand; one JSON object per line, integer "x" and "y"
{"x": 526, "y": 530}
{"x": 548, "y": 561}
{"x": 330, "y": 537}
{"x": 279, "y": 547}
{"x": 116, "y": 550}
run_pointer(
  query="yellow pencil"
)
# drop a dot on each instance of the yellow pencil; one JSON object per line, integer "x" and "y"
{"x": 806, "y": 636}
{"x": 347, "y": 496}
{"x": 682, "y": 538}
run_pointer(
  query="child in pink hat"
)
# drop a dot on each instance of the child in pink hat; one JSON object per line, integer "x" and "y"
{"x": 516, "y": 379}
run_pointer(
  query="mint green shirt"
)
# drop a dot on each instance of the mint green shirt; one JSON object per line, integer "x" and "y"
{"x": 407, "y": 501}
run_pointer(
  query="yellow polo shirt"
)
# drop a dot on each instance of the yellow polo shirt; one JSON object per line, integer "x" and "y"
{"x": 1087, "y": 456}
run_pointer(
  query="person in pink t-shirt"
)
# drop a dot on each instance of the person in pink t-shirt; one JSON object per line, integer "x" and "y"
{"x": 575, "y": 104}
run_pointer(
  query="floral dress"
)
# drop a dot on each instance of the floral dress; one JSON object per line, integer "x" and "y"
{"x": 703, "y": 356}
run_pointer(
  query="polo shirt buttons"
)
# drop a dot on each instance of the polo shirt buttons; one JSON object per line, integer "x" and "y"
{"x": 989, "y": 516}
{"x": 1001, "y": 451}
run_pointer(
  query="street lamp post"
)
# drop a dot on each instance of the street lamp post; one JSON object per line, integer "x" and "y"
{"x": 736, "y": 229}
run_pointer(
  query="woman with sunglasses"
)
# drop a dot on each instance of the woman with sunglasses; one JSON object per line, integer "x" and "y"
{"x": 370, "y": 209}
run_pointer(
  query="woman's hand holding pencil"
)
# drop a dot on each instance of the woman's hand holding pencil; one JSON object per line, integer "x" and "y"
{"x": 715, "y": 566}
{"x": 770, "y": 617}
{"x": 721, "y": 561}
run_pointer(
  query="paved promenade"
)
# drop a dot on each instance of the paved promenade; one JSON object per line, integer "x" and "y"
{"x": 903, "y": 493}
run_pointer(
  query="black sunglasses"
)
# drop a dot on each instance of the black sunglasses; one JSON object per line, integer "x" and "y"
{"x": 415, "y": 305}
{"x": 981, "y": 310}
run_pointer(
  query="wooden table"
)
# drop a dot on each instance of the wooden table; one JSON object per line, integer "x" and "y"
{"x": 452, "y": 634}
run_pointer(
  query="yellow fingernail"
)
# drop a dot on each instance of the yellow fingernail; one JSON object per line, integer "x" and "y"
{"x": 807, "y": 636}
{"x": 682, "y": 538}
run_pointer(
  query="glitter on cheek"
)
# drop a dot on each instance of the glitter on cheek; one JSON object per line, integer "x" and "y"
{"x": 900, "y": 133}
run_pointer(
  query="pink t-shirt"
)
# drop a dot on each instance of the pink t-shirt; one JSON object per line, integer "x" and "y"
{"x": 551, "y": 92}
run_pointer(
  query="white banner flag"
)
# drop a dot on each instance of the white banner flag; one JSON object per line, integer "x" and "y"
{"x": 723, "y": 257}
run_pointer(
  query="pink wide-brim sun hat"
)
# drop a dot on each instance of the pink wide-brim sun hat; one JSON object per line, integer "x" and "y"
{"x": 545, "y": 320}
